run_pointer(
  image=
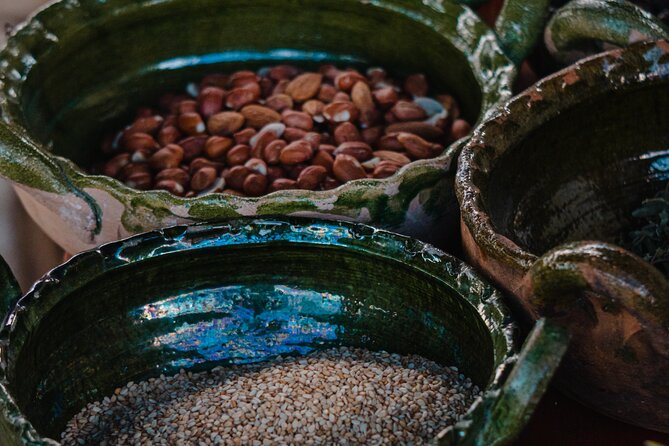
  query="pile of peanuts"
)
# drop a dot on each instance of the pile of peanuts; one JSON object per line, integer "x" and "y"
{"x": 252, "y": 133}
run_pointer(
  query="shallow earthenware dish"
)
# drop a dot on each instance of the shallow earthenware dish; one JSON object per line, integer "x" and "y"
{"x": 78, "y": 68}
{"x": 563, "y": 163}
{"x": 204, "y": 296}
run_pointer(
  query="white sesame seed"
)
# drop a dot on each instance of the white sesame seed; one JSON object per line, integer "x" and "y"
{"x": 337, "y": 396}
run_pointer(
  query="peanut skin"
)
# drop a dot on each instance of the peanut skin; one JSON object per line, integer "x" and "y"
{"x": 251, "y": 133}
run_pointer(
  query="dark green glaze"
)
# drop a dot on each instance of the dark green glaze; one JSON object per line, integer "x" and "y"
{"x": 514, "y": 29}
{"x": 167, "y": 300}
{"x": 472, "y": 3}
{"x": 569, "y": 160}
{"x": 630, "y": 319}
{"x": 581, "y": 26}
{"x": 10, "y": 290}
{"x": 516, "y": 400}
{"x": 566, "y": 269}
{"x": 518, "y": 25}
{"x": 78, "y": 68}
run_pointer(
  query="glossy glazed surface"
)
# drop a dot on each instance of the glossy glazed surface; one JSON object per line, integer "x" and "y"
{"x": 546, "y": 188}
{"x": 79, "y": 66}
{"x": 245, "y": 291}
{"x": 580, "y": 175}
{"x": 584, "y": 27}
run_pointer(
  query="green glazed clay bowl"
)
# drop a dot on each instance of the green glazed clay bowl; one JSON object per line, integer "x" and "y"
{"x": 547, "y": 187}
{"x": 203, "y": 296}
{"x": 78, "y": 68}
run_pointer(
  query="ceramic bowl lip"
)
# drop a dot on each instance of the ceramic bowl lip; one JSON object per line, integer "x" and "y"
{"x": 482, "y": 46}
{"x": 506, "y": 125}
{"x": 485, "y": 300}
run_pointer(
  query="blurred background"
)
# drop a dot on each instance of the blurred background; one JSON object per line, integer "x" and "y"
{"x": 22, "y": 244}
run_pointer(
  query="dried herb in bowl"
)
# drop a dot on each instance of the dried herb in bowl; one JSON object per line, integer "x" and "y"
{"x": 251, "y": 133}
{"x": 650, "y": 239}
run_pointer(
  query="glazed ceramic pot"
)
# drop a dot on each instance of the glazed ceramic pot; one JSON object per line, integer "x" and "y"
{"x": 565, "y": 162}
{"x": 584, "y": 27}
{"x": 79, "y": 67}
{"x": 194, "y": 297}
{"x": 579, "y": 29}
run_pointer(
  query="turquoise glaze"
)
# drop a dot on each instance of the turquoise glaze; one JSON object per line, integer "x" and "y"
{"x": 245, "y": 291}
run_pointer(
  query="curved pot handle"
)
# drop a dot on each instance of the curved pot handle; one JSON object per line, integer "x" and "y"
{"x": 518, "y": 26}
{"x": 616, "y": 308}
{"x": 501, "y": 414}
{"x": 555, "y": 286}
{"x": 618, "y": 22}
{"x": 22, "y": 162}
{"x": 10, "y": 291}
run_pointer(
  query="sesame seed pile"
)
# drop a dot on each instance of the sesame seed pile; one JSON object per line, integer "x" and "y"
{"x": 336, "y": 396}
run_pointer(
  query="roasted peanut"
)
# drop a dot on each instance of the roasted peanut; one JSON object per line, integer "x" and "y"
{"x": 203, "y": 178}
{"x": 347, "y": 168}
{"x": 296, "y": 152}
{"x": 251, "y": 133}
{"x": 304, "y": 87}
{"x": 168, "y": 157}
{"x": 225, "y": 123}
{"x": 210, "y": 101}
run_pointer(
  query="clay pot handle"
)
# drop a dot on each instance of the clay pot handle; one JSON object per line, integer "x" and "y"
{"x": 10, "y": 291}
{"x": 556, "y": 284}
{"x": 501, "y": 414}
{"x": 618, "y": 22}
{"x": 518, "y": 25}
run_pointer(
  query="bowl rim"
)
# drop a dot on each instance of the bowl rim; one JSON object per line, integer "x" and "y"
{"x": 483, "y": 299}
{"x": 490, "y": 67}
{"x": 509, "y": 123}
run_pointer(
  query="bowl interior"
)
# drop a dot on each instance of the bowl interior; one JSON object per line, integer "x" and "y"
{"x": 199, "y": 308}
{"x": 580, "y": 174}
{"x": 113, "y": 56}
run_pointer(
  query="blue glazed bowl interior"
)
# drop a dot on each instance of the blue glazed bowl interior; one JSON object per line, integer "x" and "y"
{"x": 202, "y": 297}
